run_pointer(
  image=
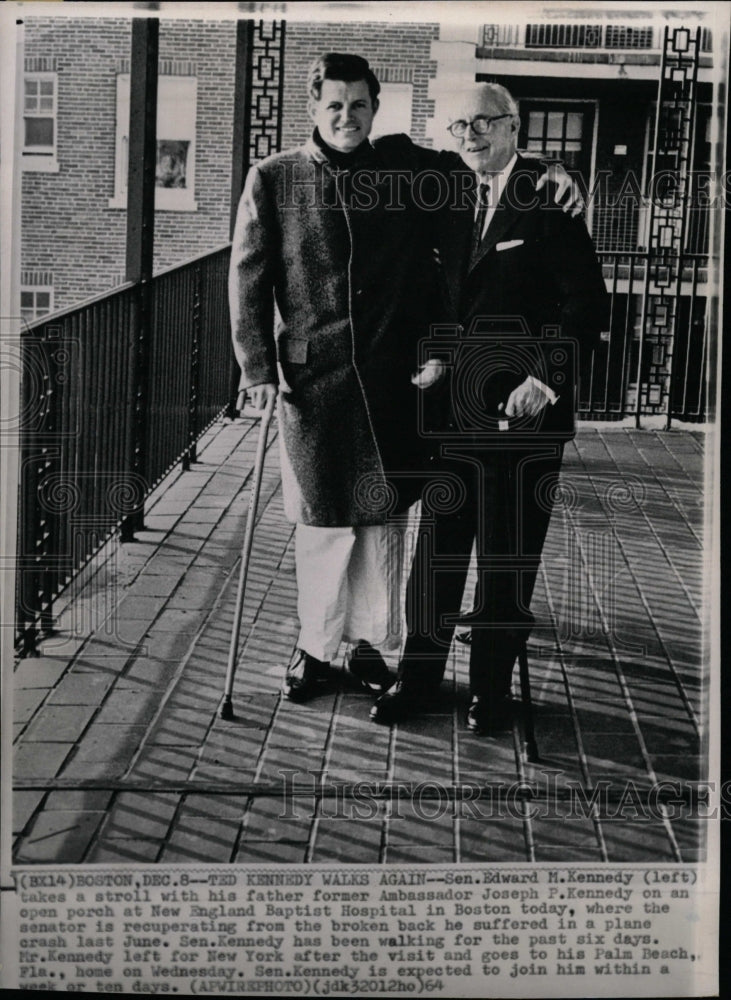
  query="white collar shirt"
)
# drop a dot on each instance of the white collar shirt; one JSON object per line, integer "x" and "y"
{"x": 497, "y": 184}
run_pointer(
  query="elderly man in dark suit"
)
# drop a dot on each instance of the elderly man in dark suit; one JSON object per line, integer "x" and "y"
{"x": 525, "y": 292}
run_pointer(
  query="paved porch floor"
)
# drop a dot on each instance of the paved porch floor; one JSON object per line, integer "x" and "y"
{"x": 121, "y": 756}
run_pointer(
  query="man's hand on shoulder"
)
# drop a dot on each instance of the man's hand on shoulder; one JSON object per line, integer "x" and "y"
{"x": 567, "y": 192}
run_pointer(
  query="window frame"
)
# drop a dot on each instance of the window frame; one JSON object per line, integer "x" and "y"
{"x": 34, "y": 290}
{"x": 591, "y": 134}
{"x": 166, "y": 199}
{"x": 41, "y": 159}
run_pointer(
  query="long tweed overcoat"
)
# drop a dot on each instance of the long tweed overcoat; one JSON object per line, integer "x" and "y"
{"x": 330, "y": 291}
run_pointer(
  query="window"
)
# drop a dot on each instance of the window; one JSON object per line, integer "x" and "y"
{"x": 394, "y": 110}
{"x": 35, "y": 302}
{"x": 39, "y": 122}
{"x": 562, "y": 130}
{"x": 175, "y": 167}
{"x": 555, "y": 134}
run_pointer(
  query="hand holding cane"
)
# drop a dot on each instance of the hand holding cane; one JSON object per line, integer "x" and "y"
{"x": 227, "y": 711}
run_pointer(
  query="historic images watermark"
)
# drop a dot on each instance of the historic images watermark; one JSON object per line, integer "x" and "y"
{"x": 550, "y": 794}
{"x": 437, "y": 190}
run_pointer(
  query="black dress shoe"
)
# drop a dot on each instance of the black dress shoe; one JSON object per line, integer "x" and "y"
{"x": 489, "y": 716}
{"x": 401, "y": 701}
{"x": 305, "y": 677}
{"x": 369, "y": 668}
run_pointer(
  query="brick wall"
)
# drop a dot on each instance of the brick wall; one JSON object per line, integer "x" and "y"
{"x": 212, "y": 45}
{"x": 389, "y": 48}
{"x": 68, "y": 226}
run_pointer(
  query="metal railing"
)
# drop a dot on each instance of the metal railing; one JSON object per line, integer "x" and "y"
{"x": 612, "y": 373}
{"x": 118, "y": 390}
{"x": 624, "y": 228}
{"x": 114, "y": 393}
{"x": 571, "y": 36}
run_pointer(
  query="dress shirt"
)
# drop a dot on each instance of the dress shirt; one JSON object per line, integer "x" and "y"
{"x": 497, "y": 184}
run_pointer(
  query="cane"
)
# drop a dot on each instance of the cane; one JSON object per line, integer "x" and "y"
{"x": 227, "y": 711}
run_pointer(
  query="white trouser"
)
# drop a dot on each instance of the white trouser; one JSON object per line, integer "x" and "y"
{"x": 349, "y": 584}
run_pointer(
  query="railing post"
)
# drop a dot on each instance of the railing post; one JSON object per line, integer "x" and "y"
{"x": 140, "y": 238}
{"x": 39, "y": 538}
{"x": 28, "y": 473}
{"x": 49, "y": 538}
{"x": 241, "y": 155}
{"x": 194, "y": 377}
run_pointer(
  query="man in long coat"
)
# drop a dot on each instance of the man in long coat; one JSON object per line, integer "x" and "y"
{"x": 329, "y": 295}
{"x": 525, "y": 294}
{"x": 331, "y": 288}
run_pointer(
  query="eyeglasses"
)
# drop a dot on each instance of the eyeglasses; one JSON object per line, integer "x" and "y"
{"x": 480, "y": 125}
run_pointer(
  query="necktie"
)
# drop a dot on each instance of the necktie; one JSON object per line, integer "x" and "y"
{"x": 483, "y": 203}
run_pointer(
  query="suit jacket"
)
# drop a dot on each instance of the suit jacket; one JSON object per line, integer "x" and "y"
{"x": 529, "y": 300}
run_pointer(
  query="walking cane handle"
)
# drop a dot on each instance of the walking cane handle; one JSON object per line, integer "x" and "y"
{"x": 264, "y": 414}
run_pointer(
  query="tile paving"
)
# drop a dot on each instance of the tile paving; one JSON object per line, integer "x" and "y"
{"x": 121, "y": 756}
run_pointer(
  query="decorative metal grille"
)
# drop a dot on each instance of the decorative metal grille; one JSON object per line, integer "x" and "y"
{"x": 562, "y": 36}
{"x": 570, "y": 36}
{"x": 501, "y": 35}
{"x": 669, "y": 194}
{"x": 265, "y": 107}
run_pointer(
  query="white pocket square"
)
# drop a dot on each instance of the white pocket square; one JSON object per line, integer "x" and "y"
{"x": 509, "y": 244}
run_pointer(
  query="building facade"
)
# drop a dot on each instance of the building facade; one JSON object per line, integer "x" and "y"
{"x": 76, "y": 108}
{"x": 589, "y": 94}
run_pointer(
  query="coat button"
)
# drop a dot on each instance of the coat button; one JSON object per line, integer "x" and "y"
{"x": 359, "y": 291}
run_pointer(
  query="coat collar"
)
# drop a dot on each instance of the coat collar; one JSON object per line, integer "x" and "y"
{"x": 517, "y": 195}
{"x": 361, "y": 157}
{"x": 457, "y": 225}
